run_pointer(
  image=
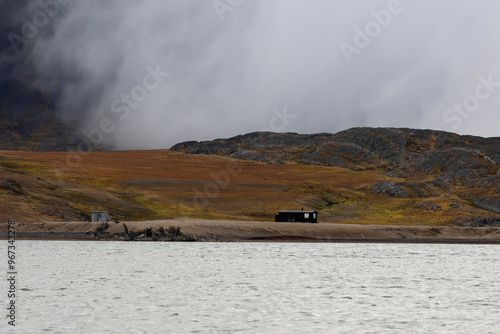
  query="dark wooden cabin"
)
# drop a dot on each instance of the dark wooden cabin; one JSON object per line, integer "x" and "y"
{"x": 296, "y": 217}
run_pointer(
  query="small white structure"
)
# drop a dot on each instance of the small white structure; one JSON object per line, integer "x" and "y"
{"x": 100, "y": 216}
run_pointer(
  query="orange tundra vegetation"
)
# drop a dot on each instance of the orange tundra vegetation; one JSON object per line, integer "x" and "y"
{"x": 161, "y": 184}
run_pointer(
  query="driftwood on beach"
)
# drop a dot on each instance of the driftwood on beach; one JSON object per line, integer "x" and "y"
{"x": 218, "y": 230}
{"x": 172, "y": 233}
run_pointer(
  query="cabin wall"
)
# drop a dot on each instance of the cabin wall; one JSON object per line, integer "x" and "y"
{"x": 295, "y": 217}
{"x": 100, "y": 217}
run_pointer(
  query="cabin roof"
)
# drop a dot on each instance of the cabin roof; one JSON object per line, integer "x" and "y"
{"x": 296, "y": 211}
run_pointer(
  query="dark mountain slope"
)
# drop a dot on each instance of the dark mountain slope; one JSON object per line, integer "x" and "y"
{"x": 28, "y": 121}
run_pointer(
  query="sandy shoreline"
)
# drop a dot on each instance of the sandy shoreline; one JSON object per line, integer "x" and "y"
{"x": 211, "y": 230}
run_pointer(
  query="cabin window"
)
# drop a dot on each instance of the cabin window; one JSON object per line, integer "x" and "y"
{"x": 306, "y": 215}
{"x": 314, "y": 216}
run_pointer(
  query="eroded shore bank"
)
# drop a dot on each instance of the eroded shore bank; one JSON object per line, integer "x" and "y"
{"x": 214, "y": 230}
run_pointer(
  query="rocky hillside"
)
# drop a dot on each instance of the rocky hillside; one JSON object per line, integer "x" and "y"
{"x": 442, "y": 163}
{"x": 28, "y": 122}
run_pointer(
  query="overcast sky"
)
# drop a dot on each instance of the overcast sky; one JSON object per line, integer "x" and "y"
{"x": 234, "y": 65}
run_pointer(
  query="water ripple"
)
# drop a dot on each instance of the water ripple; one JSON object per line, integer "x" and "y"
{"x": 112, "y": 287}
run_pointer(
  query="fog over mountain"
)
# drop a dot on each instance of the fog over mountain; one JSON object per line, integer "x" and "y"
{"x": 151, "y": 73}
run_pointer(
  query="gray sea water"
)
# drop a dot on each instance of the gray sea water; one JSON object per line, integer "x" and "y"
{"x": 120, "y": 287}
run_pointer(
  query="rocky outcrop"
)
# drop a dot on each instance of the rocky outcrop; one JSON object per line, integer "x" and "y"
{"x": 429, "y": 206}
{"x": 389, "y": 189}
{"x": 405, "y": 151}
{"x": 488, "y": 203}
{"x": 477, "y": 222}
{"x": 404, "y": 189}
